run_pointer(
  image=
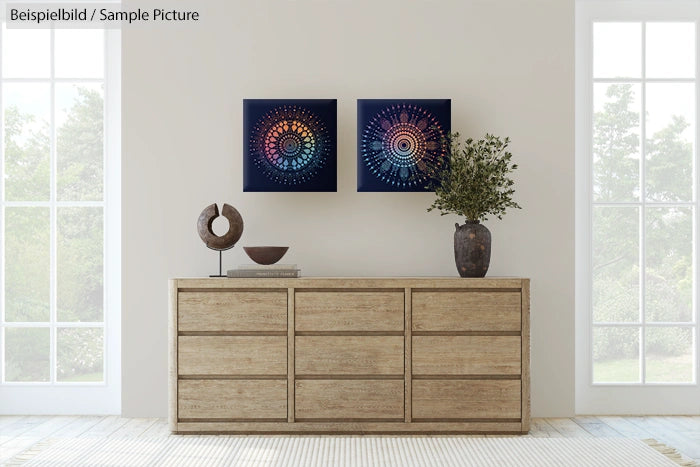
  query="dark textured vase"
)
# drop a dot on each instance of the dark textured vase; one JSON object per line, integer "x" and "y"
{"x": 472, "y": 249}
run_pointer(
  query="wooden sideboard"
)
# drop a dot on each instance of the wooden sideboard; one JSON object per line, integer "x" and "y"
{"x": 350, "y": 355}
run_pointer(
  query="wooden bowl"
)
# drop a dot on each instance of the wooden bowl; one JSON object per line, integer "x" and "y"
{"x": 265, "y": 254}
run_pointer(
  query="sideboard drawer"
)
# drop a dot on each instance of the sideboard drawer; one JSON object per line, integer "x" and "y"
{"x": 466, "y": 311}
{"x": 232, "y": 355}
{"x": 466, "y": 355}
{"x": 466, "y": 399}
{"x": 349, "y": 311}
{"x": 349, "y": 399}
{"x": 232, "y": 311}
{"x": 232, "y": 399}
{"x": 349, "y": 355}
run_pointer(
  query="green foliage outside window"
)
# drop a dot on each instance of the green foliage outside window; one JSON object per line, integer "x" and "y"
{"x": 79, "y": 241}
{"x": 668, "y": 263}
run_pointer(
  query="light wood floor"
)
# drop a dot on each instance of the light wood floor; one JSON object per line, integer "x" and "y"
{"x": 19, "y": 433}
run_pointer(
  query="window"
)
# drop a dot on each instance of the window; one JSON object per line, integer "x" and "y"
{"x": 59, "y": 217}
{"x": 636, "y": 206}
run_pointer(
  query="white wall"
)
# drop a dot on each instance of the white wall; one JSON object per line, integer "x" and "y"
{"x": 508, "y": 67}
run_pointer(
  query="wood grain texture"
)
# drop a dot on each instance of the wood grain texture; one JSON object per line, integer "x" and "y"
{"x": 232, "y": 311}
{"x": 236, "y": 377}
{"x": 596, "y": 427}
{"x": 466, "y": 311}
{"x": 351, "y": 428}
{"x": 349, "y": 311}
{"x": 568, "y": 427}
{"x": 353, "y": 282}
{"x": 350, "y": 355}
{"x": 472, "y": 399}
{"x": 466, "y": 355}
{"x": 349, "y": 399}
{"x": 291, "y": 317}
{"x": 525, "y": 352}
{"x": 212, "y": 399}
{"x": 408, "y": 407}
{"x": 172, "y": 354}
{"x": 232, "y": 355}
{"x": 347, "y": 355}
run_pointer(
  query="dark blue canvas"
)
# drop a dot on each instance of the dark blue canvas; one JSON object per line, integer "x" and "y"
{"x": 289, "y": 144}
{"x": 400, "y": 142}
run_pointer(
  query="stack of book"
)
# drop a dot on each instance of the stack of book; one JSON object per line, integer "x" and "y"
{"x": 262, "y": 270}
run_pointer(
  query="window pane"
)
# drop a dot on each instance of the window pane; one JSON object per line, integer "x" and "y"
{"x": 79, "y": 146}
{"x": 79, "y": 354}
{"x": 670, "y": 129}
{"x": 79, "y": 53}
{"x": 615, "y": 355}
{"x": 27, "y": 266}
{"x": 26, "y": 53}
{"x": 670, "y": 50}
{"x": 617, "y": 50}
{"x": 669, "y": 264}
{"x": 669, "y": 355}
{"x": 26, "y": 110}
{"x": 615, "y": 264}
{"x": 79, "y": 264}
{"x": 27, "y": 354}
{"x": 616, "y": 147}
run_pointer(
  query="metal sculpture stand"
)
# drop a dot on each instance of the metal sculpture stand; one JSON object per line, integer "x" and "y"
{"x": 221, "y": 274}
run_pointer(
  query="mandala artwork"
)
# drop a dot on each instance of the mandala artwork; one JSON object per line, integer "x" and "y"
{"x": 289, "y": 145}
{"x": 400, "y": 143}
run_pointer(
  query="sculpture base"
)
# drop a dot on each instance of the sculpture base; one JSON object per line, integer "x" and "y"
{"x": 221, "y": 272}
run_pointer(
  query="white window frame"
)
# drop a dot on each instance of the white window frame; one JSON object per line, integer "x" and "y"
{"x": 78, "y": 398}
{"x": 622, "y": 398}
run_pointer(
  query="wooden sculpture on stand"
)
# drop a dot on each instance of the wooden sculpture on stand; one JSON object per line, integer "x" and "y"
{"x": 223, "y": 242}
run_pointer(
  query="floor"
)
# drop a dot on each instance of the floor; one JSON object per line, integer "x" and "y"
{"x": 19, "y": 433}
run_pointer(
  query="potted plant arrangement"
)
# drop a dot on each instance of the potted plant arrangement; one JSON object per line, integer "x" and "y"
{"x": 474, "y": 184}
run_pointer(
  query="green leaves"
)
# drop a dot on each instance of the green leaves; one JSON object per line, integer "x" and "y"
{"x": 475, "y": 183}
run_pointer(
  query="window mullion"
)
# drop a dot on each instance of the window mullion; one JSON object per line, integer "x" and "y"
{"x": 590, "y": 204}
{"x": 2, "y": 223}
{"x": 642, "y": 214}
{"x": 53, "y": 214}
{"x": 55, "y": 80}
{"x": 644, "y": 205}
{"x": 632, "y": 324}
{"x": 640, "y": 80}
{"x": 60, "y": 204}
{"x": 696, "y": 232}
{"x": 658, "y": 204}
{"x": 106, "y": 122}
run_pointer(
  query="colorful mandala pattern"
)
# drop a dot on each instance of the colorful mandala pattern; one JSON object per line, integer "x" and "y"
{"x": 290, "y": 144}
{"x": 402, "y": 145}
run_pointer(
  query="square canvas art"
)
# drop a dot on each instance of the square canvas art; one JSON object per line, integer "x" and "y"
{"x": 400, "y": 142}
{"x": 289, "y": 144}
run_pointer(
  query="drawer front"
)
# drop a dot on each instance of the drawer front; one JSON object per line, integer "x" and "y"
{"x": 466, "y": 311}
{"x": 349, "y": 311}
{"x": 232, "y": 355}
{"x": 232, "y": 311}
{"x": 349, "y": 399}
{"x": 232, "y": 399}
{"x": 466, "y": 399}
{"x": 349, "y": 355}
{"x": 466, "y": 355}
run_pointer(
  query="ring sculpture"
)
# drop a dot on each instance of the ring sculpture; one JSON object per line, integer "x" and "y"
{"x": 223, "y": 242}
